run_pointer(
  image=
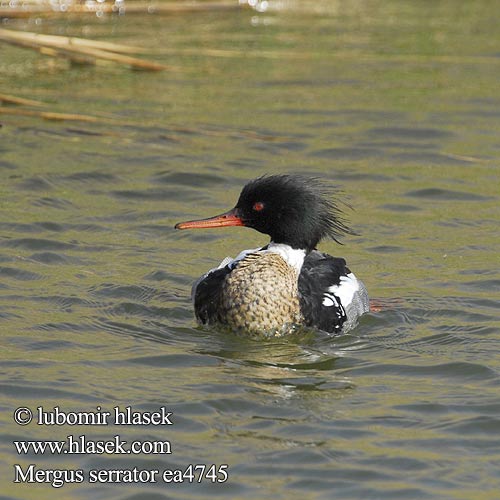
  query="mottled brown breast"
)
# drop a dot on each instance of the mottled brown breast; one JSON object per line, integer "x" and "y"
{"x": 260, "y": 295}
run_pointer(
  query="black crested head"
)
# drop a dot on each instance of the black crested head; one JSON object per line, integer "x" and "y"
{"x": 291, "y": 209}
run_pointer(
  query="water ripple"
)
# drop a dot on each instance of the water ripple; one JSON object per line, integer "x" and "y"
{"x": 445, "y": 195}
{"x": 420, "y": 133}
{"x": 19, "y": 274}
{"x": 38, "y": 244}
{"x": 459, "y": 371}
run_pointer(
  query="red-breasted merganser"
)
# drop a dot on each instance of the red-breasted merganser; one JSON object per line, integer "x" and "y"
{"x": 288, "y": 283}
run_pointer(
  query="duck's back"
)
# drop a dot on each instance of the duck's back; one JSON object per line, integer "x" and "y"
{"x": 262, "y": 293}
{"x": 259, "y": 294}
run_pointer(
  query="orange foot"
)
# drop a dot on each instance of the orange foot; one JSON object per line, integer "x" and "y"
{"x": 376, "y": 305}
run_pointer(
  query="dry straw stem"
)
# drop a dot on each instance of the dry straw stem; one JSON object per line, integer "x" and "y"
{"x": 49, "y": 115}
{"x": 21, "y": 101}
{"x": 64, "y": 41}
{"x": 79, "y": 49}
{"x": 167, "y": 8}
{"x": 139, "y": 7}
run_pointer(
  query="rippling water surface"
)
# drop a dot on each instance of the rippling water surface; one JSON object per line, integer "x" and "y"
{"x": 395, "y": 102}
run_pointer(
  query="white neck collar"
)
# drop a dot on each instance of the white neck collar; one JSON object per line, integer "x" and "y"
{"x": 294, "y": 257}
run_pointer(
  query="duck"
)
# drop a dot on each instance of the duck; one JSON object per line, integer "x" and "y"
{"x": 288, "y": 284}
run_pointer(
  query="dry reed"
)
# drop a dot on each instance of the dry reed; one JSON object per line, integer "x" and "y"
{"x": 78, "y": 49}
{"x": 28, "y": 9}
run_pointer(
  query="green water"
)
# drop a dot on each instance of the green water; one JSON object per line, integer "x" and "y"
{"x": 395, "y": 102}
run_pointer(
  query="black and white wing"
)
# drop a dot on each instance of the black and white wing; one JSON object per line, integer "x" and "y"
{"x": 331, "y": 297}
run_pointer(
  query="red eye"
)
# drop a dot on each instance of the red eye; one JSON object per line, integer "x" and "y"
{"x": 258, "y": 206}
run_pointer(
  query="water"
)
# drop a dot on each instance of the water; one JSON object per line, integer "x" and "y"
{"x": 395, "y": 102}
